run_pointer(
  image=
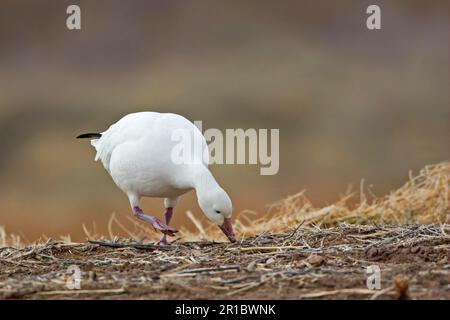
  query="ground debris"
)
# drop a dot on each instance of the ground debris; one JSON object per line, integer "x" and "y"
{"x": 301, "y": 263}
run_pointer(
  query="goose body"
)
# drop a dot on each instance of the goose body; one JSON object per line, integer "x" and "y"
{"x": 138, "y": 152}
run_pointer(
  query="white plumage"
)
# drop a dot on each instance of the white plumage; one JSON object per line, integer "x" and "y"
{"x": 137, "y": 152}
{"x": 140, "y": 153}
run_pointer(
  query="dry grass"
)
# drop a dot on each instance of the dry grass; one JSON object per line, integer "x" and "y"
{"x": 424, "y": 199}
{"x": 9, "y": 239}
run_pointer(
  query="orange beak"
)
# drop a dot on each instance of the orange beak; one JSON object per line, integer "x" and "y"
{"x": 227, "y": 229}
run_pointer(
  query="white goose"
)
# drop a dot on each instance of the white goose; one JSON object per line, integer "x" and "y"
{"x": 137, "y": 153}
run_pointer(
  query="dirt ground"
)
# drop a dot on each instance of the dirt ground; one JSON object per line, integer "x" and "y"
{"x": 304, "y": 263}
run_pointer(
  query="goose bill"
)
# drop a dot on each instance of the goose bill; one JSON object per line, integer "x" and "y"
{"x": 227, "y": 229}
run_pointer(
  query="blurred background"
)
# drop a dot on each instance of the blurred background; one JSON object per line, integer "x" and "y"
{"x": 350, "y": 103}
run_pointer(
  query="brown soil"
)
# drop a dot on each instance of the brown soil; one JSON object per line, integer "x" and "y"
{"x": 303, "y": 263}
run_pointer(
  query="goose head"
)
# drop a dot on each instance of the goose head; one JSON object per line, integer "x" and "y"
{"x": 217, "y": 207}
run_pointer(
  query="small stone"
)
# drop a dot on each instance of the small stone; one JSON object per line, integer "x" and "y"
{"x": 251, "y": 266}
{"x": 315, "y": 260}
{"x": 415, "y": 249}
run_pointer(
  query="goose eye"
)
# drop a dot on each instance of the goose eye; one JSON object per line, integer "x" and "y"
{"x": 217, "y": 211}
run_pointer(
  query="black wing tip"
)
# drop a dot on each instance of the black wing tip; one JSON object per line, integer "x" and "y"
{"x": 89, "y": 135}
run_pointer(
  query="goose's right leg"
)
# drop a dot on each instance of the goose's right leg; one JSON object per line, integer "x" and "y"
{"x": 169, "y": 204}
{"x": 155, "y": 222}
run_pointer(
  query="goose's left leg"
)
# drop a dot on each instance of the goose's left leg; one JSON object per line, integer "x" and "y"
{"x": 155, "y": 222}
{"x": 169, "y": 204}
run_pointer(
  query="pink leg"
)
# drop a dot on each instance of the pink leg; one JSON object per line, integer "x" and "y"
{"x": 155, "y": 222}
{"x": 167, "y": 216}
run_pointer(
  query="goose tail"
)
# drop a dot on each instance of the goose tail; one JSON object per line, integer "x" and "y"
{"x": 89, "y": 136}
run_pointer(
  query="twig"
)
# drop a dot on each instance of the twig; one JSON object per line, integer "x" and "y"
{"x": 250, "y": 286}
{"x": 221, "y": 268}
{"x": 120, "y": 290}
{"x": 381, "y": 292}
{"x": 132, "y": 245}
{"x": 334, "y": 292}
{"x": 296, "y": 229}
{"x": 265, "y": 248}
